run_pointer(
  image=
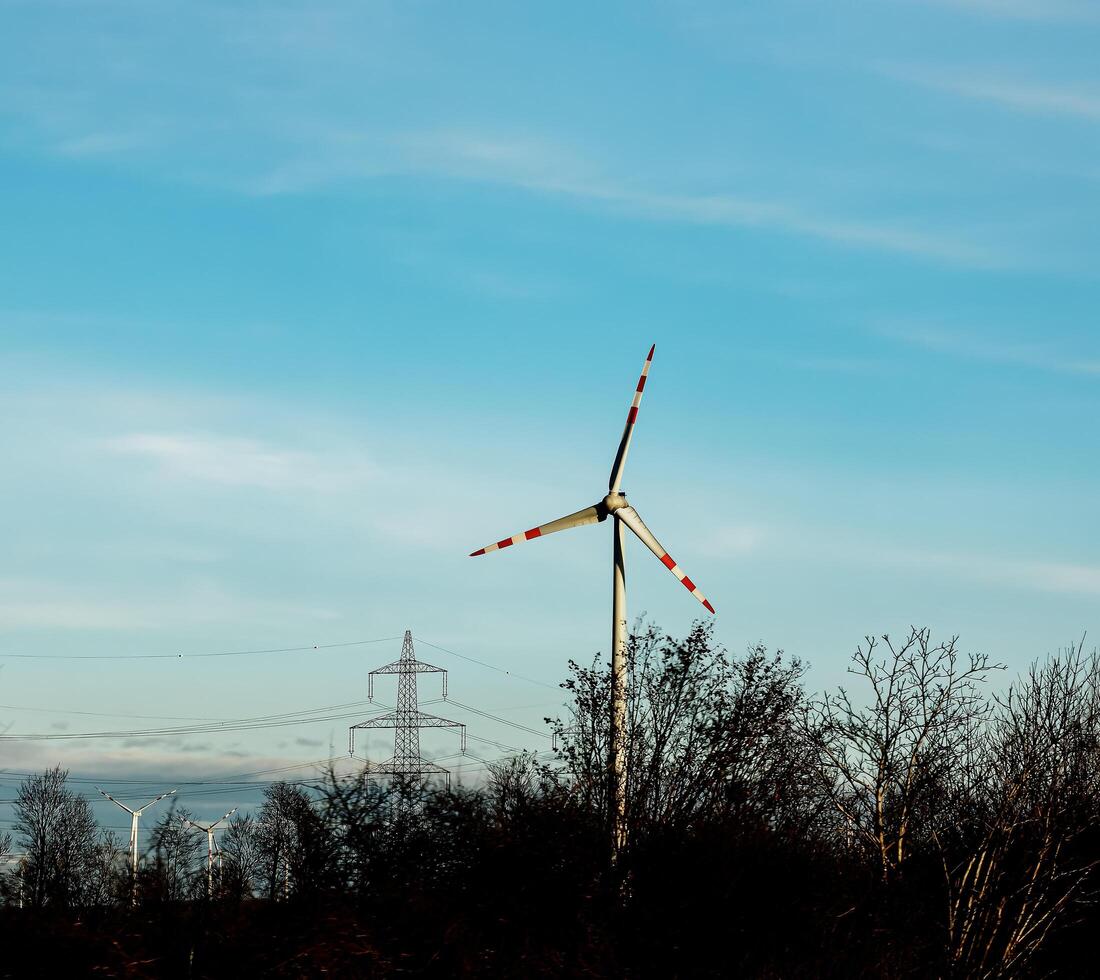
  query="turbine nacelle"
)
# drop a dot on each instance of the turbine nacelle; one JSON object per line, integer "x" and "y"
{"x": 615, "y": 501}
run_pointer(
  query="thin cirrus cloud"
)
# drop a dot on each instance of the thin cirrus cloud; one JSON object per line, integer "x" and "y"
{"x": 1032, "y": 575}
{"x": 341, "y": 154}
{"x": 162, "y": 759}
{"x": 731, "y": 210}
{"x": 37, "y": 604}
{"x": 236, "y": 462}
{"x": 733, "y": 540}
{"x": 273, "y": 147}
{"x": 1036, "y": 98}
{"x": 971, "y": 346}
{"x": 544, "y": 167}
{"x": 1029, "y": 10}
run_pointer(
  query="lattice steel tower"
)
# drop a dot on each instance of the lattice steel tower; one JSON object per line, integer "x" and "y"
{"x": 407, "y": 720}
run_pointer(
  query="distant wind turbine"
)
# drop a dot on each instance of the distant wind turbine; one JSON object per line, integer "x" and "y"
{"x": 211, "y": 847}
{"x": 615, "y": 505}
{"x": 135, "y": 816}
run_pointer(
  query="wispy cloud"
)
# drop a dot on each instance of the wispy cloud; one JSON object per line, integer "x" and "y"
{"x": 732, "y": 540}
{"x": 999, "y": 570}
{"x": 235, "y": 131}
{"x": 1032, "y": 575}
{"x": 341, "y": 154}
{"x": 41, "y": 605}
{"x": 830, "y": 364}
{"x": 101, "y": 144}
{"x": 1055, "y": 11}
{"x": 1082, "y": 101}
{"x": 543, "y": 166}
{"x": 991, "y": 350}
{"x": 742, "y": 212}
{"x": 239, "y": 462}
{"x": 162, "y": 760}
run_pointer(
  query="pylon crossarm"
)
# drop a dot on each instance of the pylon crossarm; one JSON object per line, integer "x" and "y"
{"x": 406, "y": 667}
{"x": 382, "y": 721}
{"x": 391, "y": 768}
{"x": 433, "y": 721}
{"x": 409, "y": 666}
{"x": 400, "y": 719}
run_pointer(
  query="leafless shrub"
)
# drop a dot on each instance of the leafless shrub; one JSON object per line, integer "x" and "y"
{"x": 176, "y": 850}
{"x": 1029, "y": 863}
{"x": 887, "y": 763}
{"x": 707, "y": 736}
{"x": 58, "y": 835}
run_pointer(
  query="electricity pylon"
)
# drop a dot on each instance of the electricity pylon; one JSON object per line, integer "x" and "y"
{"x": 211, "y": 847}
{"x": 135, "y": 816}
{"x": 406, "y": 764}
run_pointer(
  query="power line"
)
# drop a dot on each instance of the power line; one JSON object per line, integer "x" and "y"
{"x": 113, "y": 714}
{"x": 109, "y": 714}
{"x": 241, "y": 725}
{"x": 188, "y": 656}
{"x": 503, "y": 721}
{"x": 482, "y": 663}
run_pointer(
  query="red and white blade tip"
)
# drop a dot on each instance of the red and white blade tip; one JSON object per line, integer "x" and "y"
{"x": 590, "y": 515}
{"x": 508, "y": 542}
{"x": 669, "y": 563}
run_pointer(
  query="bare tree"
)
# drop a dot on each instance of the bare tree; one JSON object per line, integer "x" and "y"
{"x": 707, "y": 735}
{"x": 108, "y": 880}
{"x": 59, "y": 836}
{"x": 299, "y": 842}
{"x": 176, "y": 849}
{"x": 885, "y": 762}
{"x": 1027, "y": 866}
{"x": 243, "y": 856}
{"x": 275, "y": 832}
{"x": 515, "y": 784}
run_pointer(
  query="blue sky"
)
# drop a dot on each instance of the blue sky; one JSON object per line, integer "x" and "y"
{"x": 302, "y": 302}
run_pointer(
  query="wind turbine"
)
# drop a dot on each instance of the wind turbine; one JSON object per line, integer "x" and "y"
{"x": 211, "y": 847}
{"x": 135, "y": 816}
{"x": 615, "y": 505}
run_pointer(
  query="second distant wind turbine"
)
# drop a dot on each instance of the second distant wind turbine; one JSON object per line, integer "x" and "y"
{"x": 211, "y": 847}
{"x": 135, "y": 816}
{"x": 615, "y": 505}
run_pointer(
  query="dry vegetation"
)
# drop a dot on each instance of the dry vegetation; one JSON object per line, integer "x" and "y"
{"x": 918, "y": 824}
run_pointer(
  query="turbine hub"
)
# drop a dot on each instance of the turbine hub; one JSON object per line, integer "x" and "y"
{"x": 615, "y": 501}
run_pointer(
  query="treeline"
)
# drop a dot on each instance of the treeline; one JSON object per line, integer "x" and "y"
{"x": 927, "y": 821}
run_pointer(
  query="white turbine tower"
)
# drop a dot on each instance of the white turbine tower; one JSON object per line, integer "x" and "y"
{"x": 211, "y": 847}
{"x": 135, "y": 816}
{"x": 615, "y": 505}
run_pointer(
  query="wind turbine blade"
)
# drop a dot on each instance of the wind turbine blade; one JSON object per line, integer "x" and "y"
{"x": 590, "y": 515}
{"x": 629, "y": 516}
{"x": 158, "y": 799}
{"x": 116, "y": 802}
{"x": 220, "y": 819}
{"x": 615, "y": 483}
